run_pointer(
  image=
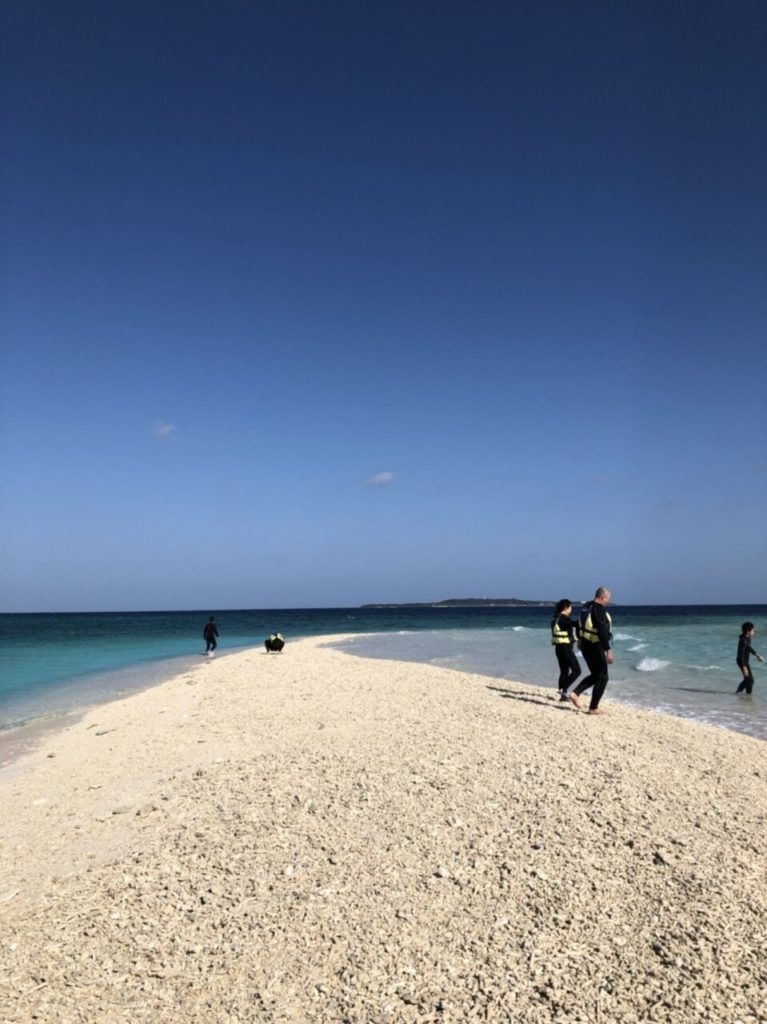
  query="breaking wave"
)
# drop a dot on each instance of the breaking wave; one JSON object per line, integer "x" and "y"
{"x": 652, "y": 664}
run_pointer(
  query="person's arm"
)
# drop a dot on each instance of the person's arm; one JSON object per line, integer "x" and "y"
{"x": 564, "y": 622}
{"x": 603, "y": 631}
{"x": 599, "y": 616}
{"x": 744, "y": 650}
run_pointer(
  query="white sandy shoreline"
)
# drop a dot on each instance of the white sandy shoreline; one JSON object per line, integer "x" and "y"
{"x": 82, "y": 694}
{"x": 318, "y": 837}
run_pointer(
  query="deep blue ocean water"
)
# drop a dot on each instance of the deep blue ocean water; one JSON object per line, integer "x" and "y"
{"x": 675, "y": 659}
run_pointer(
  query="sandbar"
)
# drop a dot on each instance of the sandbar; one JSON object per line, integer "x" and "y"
{"x": 317, "y": 837}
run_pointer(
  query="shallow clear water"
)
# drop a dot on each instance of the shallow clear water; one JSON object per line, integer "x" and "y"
{"x": 684, "y": 668}
{"x": 680, "y": 660}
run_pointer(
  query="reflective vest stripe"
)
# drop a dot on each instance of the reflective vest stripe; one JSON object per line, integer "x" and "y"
{"x": 559, "y": 635}
{"x": 588, "y": 630}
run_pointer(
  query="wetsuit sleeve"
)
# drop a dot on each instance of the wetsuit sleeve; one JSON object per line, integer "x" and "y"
{"x": 570, "y": 625}
{"x": 599, "y": 618}
{"x": 566, "y": 623}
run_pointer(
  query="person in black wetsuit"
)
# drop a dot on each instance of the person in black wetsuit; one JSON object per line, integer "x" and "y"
{"x": 563, "y": 638}
{"x": 745, "y": 650}
{"x": 595, "y": 635}
{"x": 274, "y": 643}
{"x": 210, "y": 636}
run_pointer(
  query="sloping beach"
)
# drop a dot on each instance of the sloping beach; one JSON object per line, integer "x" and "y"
{"x": 314, "y": 837}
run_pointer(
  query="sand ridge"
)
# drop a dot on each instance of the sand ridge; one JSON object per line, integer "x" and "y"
{"x": 314, "y": 836}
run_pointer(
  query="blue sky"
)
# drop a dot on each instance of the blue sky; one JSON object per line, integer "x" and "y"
{"x": 316, "y": 304}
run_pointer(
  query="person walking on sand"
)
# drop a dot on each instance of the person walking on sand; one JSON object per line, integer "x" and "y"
{"x": 745, "y": 650}
{"x": 563, "y": 638}
{"x": 210, "y": 636}
{"x": 595, "y": 635}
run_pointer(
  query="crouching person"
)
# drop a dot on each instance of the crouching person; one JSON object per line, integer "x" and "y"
{"x": 274, "y": 643}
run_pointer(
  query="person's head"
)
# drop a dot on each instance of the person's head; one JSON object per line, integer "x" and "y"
{"x": 602, "y": 595}
{"x": 747, "y": 628}
{"x": 211, "y": 619}
{"x": 564, "y": 606}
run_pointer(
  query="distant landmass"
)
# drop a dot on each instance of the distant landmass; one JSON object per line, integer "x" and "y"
{"x": 466, "y": 602}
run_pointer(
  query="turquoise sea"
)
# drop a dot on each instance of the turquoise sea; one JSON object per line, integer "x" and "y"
{"x": 678, "y": 660}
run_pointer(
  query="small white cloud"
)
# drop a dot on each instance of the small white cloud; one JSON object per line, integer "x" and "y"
{"x": 162, "y": 430}
{"x": 380, "y": 479}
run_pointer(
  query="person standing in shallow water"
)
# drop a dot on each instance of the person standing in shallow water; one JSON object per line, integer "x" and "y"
{"x": 595, "y": 635}
{"x": 210, "y": 636}
{"x": 563, "y": 638}
{"x": 745, "y": 650}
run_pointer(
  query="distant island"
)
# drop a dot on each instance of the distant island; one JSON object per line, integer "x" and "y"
{"x": 467, "y": 602}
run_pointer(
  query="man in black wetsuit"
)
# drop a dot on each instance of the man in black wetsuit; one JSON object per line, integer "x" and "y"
{"x": 745, "y": 650}
{"x": 595, "y": 629}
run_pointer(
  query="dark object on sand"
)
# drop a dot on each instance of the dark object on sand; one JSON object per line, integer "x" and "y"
{"x": 274, "y": 643}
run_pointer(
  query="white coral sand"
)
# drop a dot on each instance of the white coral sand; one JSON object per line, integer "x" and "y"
{"x": 323, "y": 838}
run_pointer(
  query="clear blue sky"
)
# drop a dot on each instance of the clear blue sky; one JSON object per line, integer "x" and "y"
{"x": 326, "y": 303}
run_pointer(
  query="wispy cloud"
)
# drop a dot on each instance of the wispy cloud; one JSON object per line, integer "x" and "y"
{"x": 161, "y": 430}
{"x": 380, "y": 479}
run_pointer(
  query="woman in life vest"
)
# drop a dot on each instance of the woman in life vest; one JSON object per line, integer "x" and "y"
{"x": 563, "y": 638}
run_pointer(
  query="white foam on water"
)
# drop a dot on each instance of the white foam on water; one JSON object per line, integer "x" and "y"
{"x": 679, "y": 675}
{"x": 651, "y": 664}
{"x": 625, "y": 636}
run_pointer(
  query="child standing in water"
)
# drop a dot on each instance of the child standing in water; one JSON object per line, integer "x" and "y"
{"x": 745, "y": 650}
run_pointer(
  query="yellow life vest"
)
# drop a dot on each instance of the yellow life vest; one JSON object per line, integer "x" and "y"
{"x": 558, "y": 634}
{"x": 588, "y": 630}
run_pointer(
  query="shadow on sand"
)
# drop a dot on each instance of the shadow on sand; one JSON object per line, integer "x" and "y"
{"x": 554, "y": 705}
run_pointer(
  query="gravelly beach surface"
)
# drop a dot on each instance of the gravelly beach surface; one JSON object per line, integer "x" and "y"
{"x": 313, "y": 837}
